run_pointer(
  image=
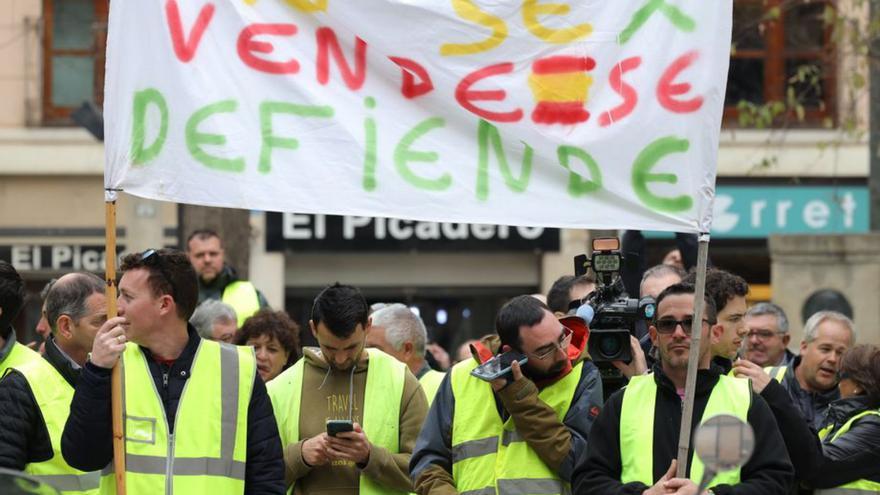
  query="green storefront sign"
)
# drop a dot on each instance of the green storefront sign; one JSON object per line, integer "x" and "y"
{"x": 758, "y": 211}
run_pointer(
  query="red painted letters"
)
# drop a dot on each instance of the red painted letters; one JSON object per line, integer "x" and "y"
{"x": 327, "y": 44}
{"x": 186, "y": 49}
{"x": 629, "y": 94}
{"x": 247, "y": 47}
{"x": 465, "y": 96}
{"x": 667, "y": 89}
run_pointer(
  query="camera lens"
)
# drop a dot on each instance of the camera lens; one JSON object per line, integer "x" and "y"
{"x": 609, "y": 346}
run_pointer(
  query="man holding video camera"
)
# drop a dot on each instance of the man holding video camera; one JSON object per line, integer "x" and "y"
{"x": 522, "y": 431}
{"x": 348, "y": 417}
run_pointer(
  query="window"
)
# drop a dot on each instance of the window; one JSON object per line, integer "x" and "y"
{"x": 782, "y": 48}
{"x": 74, "y": 37}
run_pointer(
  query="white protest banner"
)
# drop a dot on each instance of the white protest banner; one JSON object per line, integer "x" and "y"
{"x": 562, "y": 113}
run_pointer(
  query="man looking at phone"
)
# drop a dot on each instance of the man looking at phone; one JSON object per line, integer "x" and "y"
{"x": 523, "y": 431}
{"x": 635, "y": 438}
{"x": 348, "y": 417}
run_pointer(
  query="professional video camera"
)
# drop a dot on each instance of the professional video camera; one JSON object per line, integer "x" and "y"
{"x": 614, "y": 313}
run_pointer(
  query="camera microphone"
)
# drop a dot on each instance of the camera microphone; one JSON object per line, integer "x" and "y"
{"x": 586, "y": 312}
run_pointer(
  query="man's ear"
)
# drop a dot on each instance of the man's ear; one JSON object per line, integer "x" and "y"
{"x": 167, "y": 304}
{"x": 64, "y": 325}
{"x": 369, "y": 324}
{"x": 803, "y": 346}
{"x": 716, "y": 331}
{"x": 786, "y": 339}
{"x": 652, "y": 332}
{"x": 313, "y": 329}
{"x": 408, "y": 350}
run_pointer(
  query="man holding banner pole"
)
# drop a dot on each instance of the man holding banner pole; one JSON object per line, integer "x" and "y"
{"x": 633, "y": 444}
{"x": 197, "y": 416}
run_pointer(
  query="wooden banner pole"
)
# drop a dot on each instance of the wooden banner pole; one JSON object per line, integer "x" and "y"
{"x": 116, "y": 377}
{"x": 684, "y": 436}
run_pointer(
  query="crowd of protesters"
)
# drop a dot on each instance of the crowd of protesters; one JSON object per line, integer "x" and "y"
{"x": 219, "y": 396}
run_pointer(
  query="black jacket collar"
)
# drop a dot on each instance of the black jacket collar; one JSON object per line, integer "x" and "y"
{"x": 189, "y": 351}
{"x": 7, "y": 346}
{"x": 61, "y": 362}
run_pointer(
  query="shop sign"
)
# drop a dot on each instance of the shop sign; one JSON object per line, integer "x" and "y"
{"x": 304, "y": 232}
{"x": 55, "y": 257}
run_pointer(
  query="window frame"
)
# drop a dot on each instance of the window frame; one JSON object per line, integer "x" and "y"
{"x": 774, "y": 54}
{"x": 60, "y": 115}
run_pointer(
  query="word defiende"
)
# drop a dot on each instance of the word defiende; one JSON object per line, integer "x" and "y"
{"x": 405, "y": 155}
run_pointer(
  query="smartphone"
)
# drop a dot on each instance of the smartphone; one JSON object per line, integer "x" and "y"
{"x": 499, "y": 365}
{"x": 336, "y": 426}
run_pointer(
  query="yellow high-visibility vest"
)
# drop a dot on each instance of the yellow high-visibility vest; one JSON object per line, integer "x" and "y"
{"x": 384, "y": 392}
{"x": 430, "y": 383}
{"x": 730, "y": 396}
{"x": 18, "y": 355}
{"x": 776, "y": 372}
{"x": 242, "y": 296}
{"x": 857, "y": 487}
{"x": 207, "y": 452}
{"x": 489, "y": 456}
{"x": 53, "y": 395}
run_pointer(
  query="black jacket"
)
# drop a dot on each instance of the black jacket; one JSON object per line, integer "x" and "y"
{"x": 87, "y": 441}
{"x": 768, "y": 472}
{"x": 825, "y": 464}
{"x": 24, "y": 438}
{"x": 812, "y": 405}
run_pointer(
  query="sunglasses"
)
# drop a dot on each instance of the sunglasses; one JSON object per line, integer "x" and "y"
{"x": 151, "y": 258}
{"x": 668, "y": 325}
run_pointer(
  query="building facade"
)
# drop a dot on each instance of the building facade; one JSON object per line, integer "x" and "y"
{"x": 801, "y": 170}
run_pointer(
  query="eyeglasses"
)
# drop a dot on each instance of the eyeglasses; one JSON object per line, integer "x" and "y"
{"x": 668, "y": 325}
{"x": 562, "y": 345}
{"x": 151, "y": 258}
{"x": 762, "y": 334}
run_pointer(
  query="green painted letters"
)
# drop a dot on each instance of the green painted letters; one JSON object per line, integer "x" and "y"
{"x": 577, "y": 185}
{"x": 403, "y": 155}
{"x": 139, "y": 154}
{"x": 641, "y": 175}
{"x": 485, "y": 133}
{"x": 370, "y": 145}
{"x": 269, "y": 140}
{"x": 195, "y": 139}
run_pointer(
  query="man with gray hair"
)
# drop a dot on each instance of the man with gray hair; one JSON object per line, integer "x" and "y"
{"x": 811, "y": 380}
{"x": 399, "y": 332}
{"x": 215, "y": 320}
{"x": 35, "y": 397}
{"x": 767, "y": 341}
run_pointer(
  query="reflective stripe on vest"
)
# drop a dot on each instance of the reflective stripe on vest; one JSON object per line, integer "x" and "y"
{"x": 53, "y": 394}
{"x": 856, "y": 487}
{"x": 776, "y": 372}
{"x": 430, "y": 383}
{"x": 18, "y": 355}
{"x": 729, "y": 396}
{"x": 489, "y": 456}
{"x": 207, "y": 452}
{"x": 384, "y": 392}
{"x": 242, "y": 296}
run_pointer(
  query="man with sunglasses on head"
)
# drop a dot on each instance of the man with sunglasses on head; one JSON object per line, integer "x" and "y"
{"x": 634, "y": 441}
{"x": 520, "y": 433}
{"x": 197, "y": 416}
